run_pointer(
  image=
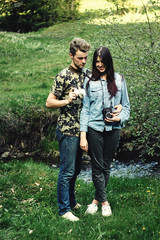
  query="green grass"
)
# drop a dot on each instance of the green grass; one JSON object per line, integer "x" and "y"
{"x": 103, "y": 4}
{"x": 29, "y": 62}
{"x": 28, "y": 206}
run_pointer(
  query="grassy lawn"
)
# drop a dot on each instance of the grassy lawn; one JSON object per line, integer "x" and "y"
{"x": 28, "y": 206}
{"x": 103, "y": 4}
{"x": 29, "y": 63}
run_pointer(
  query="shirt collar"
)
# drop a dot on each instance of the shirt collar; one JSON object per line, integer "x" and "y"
{"x": 78, "y": 71}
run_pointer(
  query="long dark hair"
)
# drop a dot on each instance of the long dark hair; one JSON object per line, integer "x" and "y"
{"x": 104, "y": 54}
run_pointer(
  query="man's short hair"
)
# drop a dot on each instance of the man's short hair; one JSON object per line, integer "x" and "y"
{"x": 79, "y": 44}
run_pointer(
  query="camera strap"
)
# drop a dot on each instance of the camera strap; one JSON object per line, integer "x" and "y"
{"x": 103, "y": 95}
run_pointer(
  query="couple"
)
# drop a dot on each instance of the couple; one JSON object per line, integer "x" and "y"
{"x": 92, "y": 127}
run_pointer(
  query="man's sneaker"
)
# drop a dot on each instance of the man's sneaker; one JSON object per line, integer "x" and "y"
{"x": 70, "y": 216}
{"x": 92, "y": 209}
{"x": 106, "y": 210}
{"x": 77, "y": 206}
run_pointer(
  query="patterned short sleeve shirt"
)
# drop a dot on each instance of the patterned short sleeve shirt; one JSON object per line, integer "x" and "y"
{"x": 69, "y": 118}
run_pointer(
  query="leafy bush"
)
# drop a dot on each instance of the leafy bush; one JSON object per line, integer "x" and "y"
{"x": 30, "y": 15}
{"x": 25, "y": 128}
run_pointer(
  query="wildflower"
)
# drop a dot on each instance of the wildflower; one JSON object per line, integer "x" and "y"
{"x": 148, "y": 191}
{"x": 28, "y": 200}
{"x": 79, "y": 185}
{"x": 144, "y": 229}
{"x": 30, "y": 231}
{"x": 37, "y": 184}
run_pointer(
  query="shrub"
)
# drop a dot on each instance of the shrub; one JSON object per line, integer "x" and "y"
{"x": 30, "y": 15}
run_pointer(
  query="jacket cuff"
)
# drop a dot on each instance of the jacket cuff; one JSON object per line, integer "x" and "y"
{"x": 83, "y": 128}
{"x": 122, "y": 118}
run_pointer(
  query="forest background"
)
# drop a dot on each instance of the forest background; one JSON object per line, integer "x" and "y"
{"x": 34, "y": 43}
{"x": 34, "y": 47}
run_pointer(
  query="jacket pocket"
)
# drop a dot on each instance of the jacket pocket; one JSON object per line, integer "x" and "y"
{"x": 96, "y": 92}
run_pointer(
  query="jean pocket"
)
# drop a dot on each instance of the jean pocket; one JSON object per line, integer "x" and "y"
{"x": 59, "y": 135}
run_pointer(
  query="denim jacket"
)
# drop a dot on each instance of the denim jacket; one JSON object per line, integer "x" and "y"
{"x": 91, "y": 114}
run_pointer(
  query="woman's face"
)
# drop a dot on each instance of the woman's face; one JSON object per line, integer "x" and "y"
{"x": 100, "y": 66}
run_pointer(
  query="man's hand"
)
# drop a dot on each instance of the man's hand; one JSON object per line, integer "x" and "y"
{"x": 72, "y": 96}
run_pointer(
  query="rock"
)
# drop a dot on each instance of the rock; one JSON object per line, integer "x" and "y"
{"x": 20, "y": 155}
{"x": 5, "y": 154}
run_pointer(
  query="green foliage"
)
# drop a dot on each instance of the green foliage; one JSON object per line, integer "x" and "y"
{"x": 29, "y": 63}
{"x": 26, "y": 128}
{"x": 25, "y": 16}
{"x": 120, "y": 6}
{"x": 29, "y": 208}
{"x": 126, "y": 6}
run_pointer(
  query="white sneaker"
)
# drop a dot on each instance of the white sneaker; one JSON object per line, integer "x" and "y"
{"x": 70, "y": 216}
{"x": 92, "y": 209}
{"x": 106, "y": 210}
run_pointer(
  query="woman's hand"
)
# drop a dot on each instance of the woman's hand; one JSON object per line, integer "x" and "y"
{"x": 113, "y": 119}
{"x": 115, "y": 114}
{"x": 83, "y": 142}
{"x": 118, "y": 110}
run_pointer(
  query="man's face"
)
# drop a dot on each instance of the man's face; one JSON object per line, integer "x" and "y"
{"x": 79, "y": 59}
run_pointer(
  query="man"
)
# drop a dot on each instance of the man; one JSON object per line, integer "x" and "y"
{"x": 64, "y": 95}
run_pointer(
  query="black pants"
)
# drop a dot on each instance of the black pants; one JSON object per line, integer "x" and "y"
{"x": 102, "y": 148}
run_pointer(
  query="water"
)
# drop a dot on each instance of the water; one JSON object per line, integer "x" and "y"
{"x": 131, "y": 170}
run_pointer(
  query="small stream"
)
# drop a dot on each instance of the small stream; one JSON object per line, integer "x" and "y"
{"x": 131, "y": 170}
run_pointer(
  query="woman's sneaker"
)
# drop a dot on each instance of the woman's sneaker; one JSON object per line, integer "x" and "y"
{"x": 106, "y": 210}
{"x": 92, "y": 209}
{"x": 70, "y": 216}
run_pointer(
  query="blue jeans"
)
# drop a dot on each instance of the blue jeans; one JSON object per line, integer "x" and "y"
{"x": 70, "y": 166}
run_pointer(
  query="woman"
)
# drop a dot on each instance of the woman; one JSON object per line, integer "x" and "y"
{"x": 104, "y": 89}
